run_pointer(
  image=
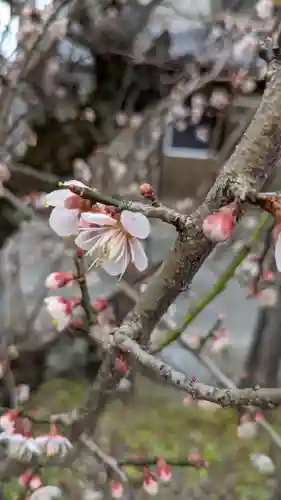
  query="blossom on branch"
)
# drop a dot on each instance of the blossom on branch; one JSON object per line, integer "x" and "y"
{"x": 53, "y": 443}
{"x": 218, "y": 226}
{"x": 19, "y": 445}
{"x": 59, "y": 280}
{"x": 116, "y": 489}
{"x": 150, "y": 484}
{"x": 61, "y": 310}
{"x": 163, "y": 470}
{"x": 114, "y": 241}
{"x": 64, "y": 218}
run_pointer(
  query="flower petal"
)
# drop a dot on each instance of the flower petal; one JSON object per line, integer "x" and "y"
{"x": 135, "y": 224}
{"x": 99, "y": 219}
{"x": 74, "y": 183}
{"x": 277, "y": 252}
{"x": 87, "y": 238}
{"x": 64, "y": 221}
{"x": 119, "y": 266}
{"x": 57, "y": 198}
{"x": 139, "y": 257}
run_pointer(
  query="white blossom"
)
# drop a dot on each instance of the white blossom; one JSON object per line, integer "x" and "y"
{"x": 114, "y": 243}
{"x": 19, "y": 445}
{"x": 53, "y": 444}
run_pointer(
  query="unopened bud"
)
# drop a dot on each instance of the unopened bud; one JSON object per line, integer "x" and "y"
{"x": 100, "y": 305}
{"x": 59, "y": 280}
{"x": 146, "y": 190}
{"x": 218, "y": 226}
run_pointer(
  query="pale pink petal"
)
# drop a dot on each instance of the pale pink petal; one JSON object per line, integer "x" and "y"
{"x": 86, "y": 239}
{"x": 64, "y": 221}
{"x": 119, "y": 266}
{"x": 135, "y": 224}
{"x": 74, "y": 183}
{"x": 100, "y": 244}
{"x": 99, "y": 219}
{"x": 139, "y": 257}
{"x": 117, "y": 245}
{"x": 57, "y": 198}
{"x": 278, "y": 253}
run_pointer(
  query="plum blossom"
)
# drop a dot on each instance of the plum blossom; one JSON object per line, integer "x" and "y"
{"x": 150, "y": 484}
{"x": 264, "y": 9}
{"x": 7, "y": 421}
{"x": 61, "y": 310}
{"x": 64, "y": 218}
{"x": 59, "y": 280}
{"x": 116, "y": 489}
{"x": 19, "y": 445}
{"x": 53, "y": 443}
{"x": 262, "y": 462}
{"x": 163, "y": 470}
{"x": 247, "y": 429}
{"x": 28, "y": 479}
{"x": 114, "y": 242}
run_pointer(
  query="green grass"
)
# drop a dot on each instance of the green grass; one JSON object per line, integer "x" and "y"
{"x": 157, "y": 423}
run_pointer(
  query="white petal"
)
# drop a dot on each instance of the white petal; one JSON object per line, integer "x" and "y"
{"x": 119, "y": 266}
{"x": 99, "y": 219}
{"x": 64, "y": 221}
{"x": 86, "y": 239}
{"x": 139, "y": 257}
{"x": 135, "y": 224}
{"x": 278, "y": 253}
{"x": 57, "y": 198}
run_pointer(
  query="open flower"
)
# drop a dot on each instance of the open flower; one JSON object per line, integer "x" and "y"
{"x": 53, "y": 443}
{"x": 19, "y": 445}
{"x": 64, "y": 218}
{"x": 115, "y": 242}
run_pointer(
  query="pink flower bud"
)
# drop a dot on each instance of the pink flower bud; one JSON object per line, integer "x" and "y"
{"x": 146, "y": 190}
{"x": 150, "y": 484}
{"x": 27, "y": 479}
{"x": 100, "y": 305}
{"x": 59, "y": 280}
{"x": 116, "y": 489}
{"x": 121, "y": 366}
{"x": 163, "y": 470}
{"x": 218, "y": 226}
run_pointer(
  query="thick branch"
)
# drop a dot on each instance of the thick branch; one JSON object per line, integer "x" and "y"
{"x": 250, "y": 166}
